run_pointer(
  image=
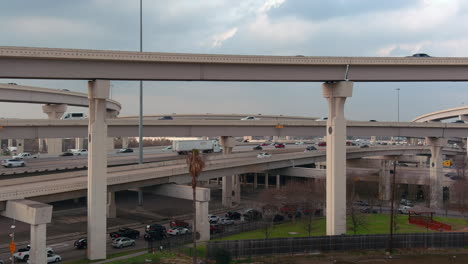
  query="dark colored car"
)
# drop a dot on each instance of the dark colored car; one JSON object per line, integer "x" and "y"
{"x": 233, "y": 215}
{"x": 361, "y": 203}
{"x": 125, "y": 150}
{"x": 372, "y": 120}
{"x": 368, "y": 210}
{"x": 322, "y": 144}
{"x": 154, "y": 235}
{"x": 279, "y": 145}
{"x": 165, "y": 118}
{"x": 126, "y": 232}
{"x": 364, "y": 146}
{"x": 264, "y": 144}
{"x": 258, "y": 147}
{"x": 309, "y": 148}
{"x": 278, "y": 218}
{"x": 459, "y": 121}
{"x": 215, "y": 228}
{"x": 252, "y": 215}
{"x": 420, "y": 55}
{"x": 66, "y": 154}
{"x": 81, "y": 243}
{"x": 178, "y": 223}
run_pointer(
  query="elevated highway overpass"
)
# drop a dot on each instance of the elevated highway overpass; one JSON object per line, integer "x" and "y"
{"x": 61, "y": 186}
{"x": 456, "y": 112}
{"x": 210, "y": 116}
{"x": 195, "y": 128}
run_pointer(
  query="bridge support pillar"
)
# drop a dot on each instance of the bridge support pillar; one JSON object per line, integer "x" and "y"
{"x": 203, "y": 224}
{"x": 385, "y": 180}
{"x": 124, "y": 142}
{"x": 79, "y": 143}
{"x": 436, "y": 171}
{"x": 111, "y": 206}
{"x": 54, "y": 112}
{"x": 10, "y": 143}
{"x": 236, "y": 189}
{"x": 19, "y": 145}
{"x": 255, "y": 181}
{"x": 336, "y": 94}
{"x": 140, "y": 197}
{"x": 278, "y": 181}
{"x": 98, "y": 92}
{"x": 228, "y": 143}
{"x": 266, "y": 180}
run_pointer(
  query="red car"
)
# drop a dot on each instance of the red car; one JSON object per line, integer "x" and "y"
{"x": 264, "y": 144}
{"x": 178, "y": 223}
{"x": 279, "y": 145}
{"x": 322, "y": 144}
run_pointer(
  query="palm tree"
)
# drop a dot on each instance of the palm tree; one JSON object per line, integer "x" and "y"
{"x": 195, "y": 165}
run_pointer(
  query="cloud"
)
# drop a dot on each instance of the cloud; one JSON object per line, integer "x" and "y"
{"x": 220, "y": 38}
{"x": 270, "y": 4}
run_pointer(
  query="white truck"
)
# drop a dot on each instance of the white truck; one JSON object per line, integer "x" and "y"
{"x": 25, "y": 155}
{"x": 78, "y": 152}
{"x": 185, "y": 146}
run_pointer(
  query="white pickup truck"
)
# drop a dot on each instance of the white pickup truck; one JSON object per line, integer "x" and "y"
{"x": 25, "y": 155}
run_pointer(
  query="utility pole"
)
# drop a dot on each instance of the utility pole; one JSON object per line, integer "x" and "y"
{"x": 392, "y": 211}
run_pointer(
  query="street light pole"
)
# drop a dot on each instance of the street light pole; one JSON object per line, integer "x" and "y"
{"x": 398, "y": 104}
{"x": 140, "y": 123}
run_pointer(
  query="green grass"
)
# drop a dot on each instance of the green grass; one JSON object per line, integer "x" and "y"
{"x": 201, "y": 251}
{"x": 377, "y": 224}
{"x": 110, "y": 256}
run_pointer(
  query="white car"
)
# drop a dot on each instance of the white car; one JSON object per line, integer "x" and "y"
{"x": 178, "y": 231}
{"x": 167, "y": 148}
{"x": 79, "y": 152}
{"x": 299, "y": 143}
{"x": 263, "y": 155}
{"x": 123, "y": 242}
{"x": 213, "y": 219}
{"x": 10, "y": 163}
{"x": 404, "y": 209}
{"x": 226, "y": 221}
{"x": 250, "y": 118}
{"x": 23, "y": 254}
{"x": 52, "y": 258}
{"x": 25, "y": 155}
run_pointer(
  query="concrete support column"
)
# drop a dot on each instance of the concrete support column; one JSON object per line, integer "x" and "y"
{"x": 336, "y": 94}
{"x": 278, "y": 181}
{"x": 266, "y": 180}
{"x": 110, "y": 144}
{"x": 79, "y": 143}
{"x": 373, "y": 140}
{"x": 436, "y": 171}
{"x": 10, "y": 143}
{"x": 98, "y": 92}
{"x": 203, "y": 224}
{"x": 228, "y": 143}
{"x": 255, "y": 181}
{"x": 111, "y": 207}
{"x": 38, "y": 252}
{"x": 54, "y": 112}
{"x": 385, "y": 187}
{"x": 249, "y": 138}
{"x": 19, "y": 145}
{"x": 140, "y": 197}
{"x": 124, "y": 142}
{"x": 236, "y": 189}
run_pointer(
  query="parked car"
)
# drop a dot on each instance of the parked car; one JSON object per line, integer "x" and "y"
{"x": 279, "y": 145}
{"x": 125, "y": 232}
{"x": 252, "y": 215}
{"x": 178, "y": 223}
{"x": 233, "y": 215}
{"x": 125, "y": 150}
{"x": 278, "y": 218}
{"x": 361, "y": 203}
{"x": 165, "y": 118}
{"x": 263, "y": 155}
{"x": 226, "y": 221}
{"x": 122, "y": 242}
{"x": 81, "y": 243}
{"x": 368, "y": 210}
{"x": 250, "y": 118}
{"x": 310, "y": 148}
{"x": 10, "y": 163}
{"x": 215, "y": 228}
{"x": 257, "y": 148}
{"x": 178, "y": 231}
{"x": 213, "y": 219}
{"x": 66, "y": 154}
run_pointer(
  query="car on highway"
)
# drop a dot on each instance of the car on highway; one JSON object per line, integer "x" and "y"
{"x": 81, "y": 243}
{"x": 459, "y": 121}
{"x": 310, "y": 148}
{"x": 25, "y": 155}
{"x": 420, "y": 55}
{"x": 155, "y": 232}
{"x": 53, "y": 258}
{"x": 23, "y": 253}
{"x": 10, "y": 163}
{"x": 252, "y": 215}
{"x": 299, "y": 143}
{"x": 360, "y": 203}
{"x": 364, "y": 146}
{"x": 178, "y": 223}
{"x": 279, "y": 145}
{"x": 226, "y": 221}
{"x": 213, "y": 219}
{"x": 125, "y": 150}
{"x": 166, "y": 118}
{"x": 404, "y": 209}
{"x": 233, "y": 215}
{"x": 175, "y": 231}
{"x": 66, "y": 154}
{"x": 368, "y": 210}
{"x": 215, "y": 228}
{"x": 167, "y": 148}
{"x": 264, "y": 144}
{"x": 122, "y": 242}
{"x": 322, "y": 144}
{"x": 250, "y": 118}
{"x": 257, "y": 148}
{"x": 79, "y": 152}
{"x": 125, "y": 232}
{"x": 263, "y": 155}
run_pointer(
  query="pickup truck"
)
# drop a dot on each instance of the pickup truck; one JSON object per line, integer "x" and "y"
{"x": 25, "y": 155}
{"x": 23, "y": 253}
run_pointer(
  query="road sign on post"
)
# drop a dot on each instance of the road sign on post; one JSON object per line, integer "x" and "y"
{"x": 12, "y": 247}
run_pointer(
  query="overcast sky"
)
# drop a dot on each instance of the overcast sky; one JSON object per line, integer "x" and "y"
{"x": 264, "y": 27}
